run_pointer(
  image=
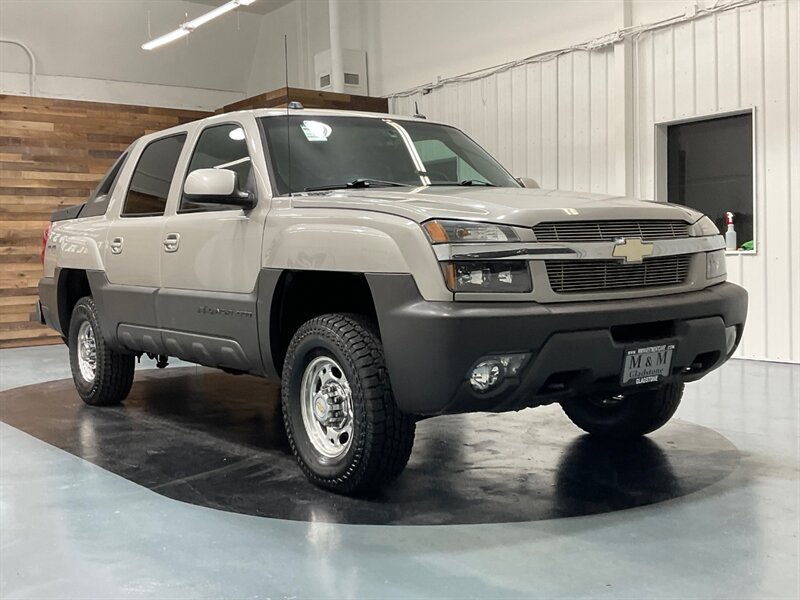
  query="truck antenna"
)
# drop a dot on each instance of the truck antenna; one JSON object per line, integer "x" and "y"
{"x": 288, "y": 103}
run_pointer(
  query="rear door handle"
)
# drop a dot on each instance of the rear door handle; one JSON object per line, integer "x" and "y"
{"x": 171, "y": 242}
{"x": 116, "y": 245}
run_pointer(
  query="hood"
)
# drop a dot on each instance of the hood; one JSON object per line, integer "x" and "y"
{"x": 510, "y": 206}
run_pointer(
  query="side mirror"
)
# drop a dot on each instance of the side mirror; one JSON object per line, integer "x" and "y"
{"x": 217, "y": 186}
{"x": 527, "y": 182}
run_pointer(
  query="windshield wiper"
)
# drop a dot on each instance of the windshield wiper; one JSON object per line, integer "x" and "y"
{"x": 465, "y": 182}
{"x": 355, "y": 184}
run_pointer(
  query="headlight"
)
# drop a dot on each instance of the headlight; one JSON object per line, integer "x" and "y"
{"x": 715, "y": 264}
{"x": 444, "y": 232}
{"x": 703, "y": 227}
{"x": 488, "y": 276}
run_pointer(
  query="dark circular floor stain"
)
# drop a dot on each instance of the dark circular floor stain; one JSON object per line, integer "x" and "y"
{"x": 217, "y": 440}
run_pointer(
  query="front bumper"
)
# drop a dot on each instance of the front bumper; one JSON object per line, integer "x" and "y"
{"x": 575, "y": 347}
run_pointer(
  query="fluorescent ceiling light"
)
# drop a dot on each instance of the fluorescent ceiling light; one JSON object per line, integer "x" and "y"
{"x": 166, "y": 39}
{"x": 190, "y": 26}
{"x": 212, "y": 14}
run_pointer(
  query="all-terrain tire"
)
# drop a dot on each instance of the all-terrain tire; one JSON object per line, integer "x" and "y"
{"x": 382, "y": 435}
{"x": 637, "y": 414}
{"x": 113, "y": 372}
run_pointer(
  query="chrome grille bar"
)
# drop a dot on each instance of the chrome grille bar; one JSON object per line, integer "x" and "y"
{"x": 598, "y": 231}
{"x": 569, "y": 276}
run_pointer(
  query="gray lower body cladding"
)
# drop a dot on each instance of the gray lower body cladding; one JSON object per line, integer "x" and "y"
{"x": 216, "y": 329}
{"x": 575, "y": 348}
{"x": 48, "y": 301}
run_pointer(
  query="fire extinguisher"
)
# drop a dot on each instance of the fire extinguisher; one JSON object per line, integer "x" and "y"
{"x": 730, "y": 234}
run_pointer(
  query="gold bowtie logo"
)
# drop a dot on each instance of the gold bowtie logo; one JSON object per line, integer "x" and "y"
{"x": 632, "y": 250}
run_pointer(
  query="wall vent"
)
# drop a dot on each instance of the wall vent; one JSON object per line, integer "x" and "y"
{"x": 354, "y": 71}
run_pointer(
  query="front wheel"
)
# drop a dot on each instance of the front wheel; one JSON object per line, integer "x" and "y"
{"x": 625, "y": 416}
{"x": 102, "y": 376}
{"x": 341, "y": 419}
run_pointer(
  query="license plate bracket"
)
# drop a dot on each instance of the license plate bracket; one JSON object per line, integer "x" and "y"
{"x": 646, "y": 364}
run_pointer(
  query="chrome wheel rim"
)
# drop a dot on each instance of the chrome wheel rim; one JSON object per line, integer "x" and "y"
{"x": 87, "y": 351}
{"x": 327, "y": 406}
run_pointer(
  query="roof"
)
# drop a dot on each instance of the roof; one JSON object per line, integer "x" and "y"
{"x": 281, "y": 112}
{"x": 277, "y": 112}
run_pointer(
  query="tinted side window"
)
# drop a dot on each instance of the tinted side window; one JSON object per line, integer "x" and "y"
{"x": 220, "y": 147}
{"x": 98, "y": 201}
{"x": 149, "y": 188}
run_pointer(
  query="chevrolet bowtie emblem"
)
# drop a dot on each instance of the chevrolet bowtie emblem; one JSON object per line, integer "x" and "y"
{"x": 632, "y": 250}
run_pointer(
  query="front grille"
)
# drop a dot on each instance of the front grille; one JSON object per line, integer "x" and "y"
{"x": 600, "y": 231}
{"x": 574, "y": 276}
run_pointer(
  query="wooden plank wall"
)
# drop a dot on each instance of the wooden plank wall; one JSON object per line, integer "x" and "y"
{"x": 52, "y": 154}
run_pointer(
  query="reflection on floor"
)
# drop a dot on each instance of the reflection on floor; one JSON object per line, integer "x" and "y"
{"x": 717, "y": 497}
{"x": 217, "y": 440}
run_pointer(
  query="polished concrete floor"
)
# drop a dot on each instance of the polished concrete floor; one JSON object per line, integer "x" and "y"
{"x": 708, "y": 507}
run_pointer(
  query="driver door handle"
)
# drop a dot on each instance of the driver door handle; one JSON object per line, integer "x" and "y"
{"x": 171, "y": 242}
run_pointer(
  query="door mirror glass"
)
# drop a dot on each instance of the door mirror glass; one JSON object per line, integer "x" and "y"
{"x": 217, "y": 186}
{"x": 527, "y": 182}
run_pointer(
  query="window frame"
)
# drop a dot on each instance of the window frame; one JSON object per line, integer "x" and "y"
{"x": 122, "y": 214}
{"x": 661, "y": 158}
{"x": 98, "y": 203}
{"x": 195, "y": 141}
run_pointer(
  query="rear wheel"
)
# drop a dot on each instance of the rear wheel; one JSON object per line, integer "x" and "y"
{"x": 102, "y": 377}
{"x": 625, "y": 416}
{"x": 341, "y": 419}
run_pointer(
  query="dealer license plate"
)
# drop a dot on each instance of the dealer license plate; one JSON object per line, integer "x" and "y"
{"x": 647, "y": 364}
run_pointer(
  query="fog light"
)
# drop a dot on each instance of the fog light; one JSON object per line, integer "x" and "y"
{"x": 512, "y": 363}
{"x": 492, "y": 370}
{"x": 486, "y": 375}
{"x": 730, "y": 338}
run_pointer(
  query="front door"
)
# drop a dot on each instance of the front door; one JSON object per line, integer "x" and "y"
{"x": 211, "y": 258}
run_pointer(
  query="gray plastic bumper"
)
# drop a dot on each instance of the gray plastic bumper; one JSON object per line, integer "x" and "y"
{"x": 575, "y": 347}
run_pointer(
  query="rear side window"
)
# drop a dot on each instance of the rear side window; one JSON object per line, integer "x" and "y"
{"x": 149, "y": 188}
{"x": 220, "y": 147}
{"x": 98, "y": 201}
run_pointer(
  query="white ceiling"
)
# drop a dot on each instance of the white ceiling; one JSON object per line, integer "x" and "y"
{"x": 260, "y": 6}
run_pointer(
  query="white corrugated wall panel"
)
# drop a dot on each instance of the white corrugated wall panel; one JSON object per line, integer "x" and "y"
{"x": 554, "y": 121}
{"x": 739, "y": 59}
{"x": 549, "y": 120}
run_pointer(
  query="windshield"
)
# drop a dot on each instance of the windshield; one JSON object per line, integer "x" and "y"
{"x": 319, "y": 152}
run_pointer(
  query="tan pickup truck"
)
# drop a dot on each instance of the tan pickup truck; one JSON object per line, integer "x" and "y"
{"x": 383, "y": 268}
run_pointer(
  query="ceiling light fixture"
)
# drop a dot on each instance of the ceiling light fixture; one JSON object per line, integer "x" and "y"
{"x": 188, "y": 27}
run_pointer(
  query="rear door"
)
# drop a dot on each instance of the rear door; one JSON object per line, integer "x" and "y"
{"x": 134, "y": 244}
{"x": 211, "y": 256}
